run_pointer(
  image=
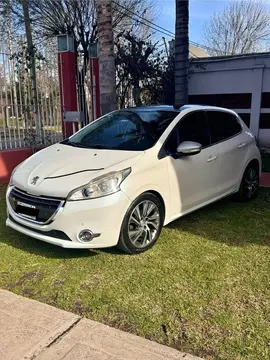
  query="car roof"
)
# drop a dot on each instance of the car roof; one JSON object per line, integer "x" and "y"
{"x": 153, "y": 108}
{"x": 172, "y": 108}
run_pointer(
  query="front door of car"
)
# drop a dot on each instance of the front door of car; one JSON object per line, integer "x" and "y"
{"x": 227, "y": 133}
{"x": 192, "y": 178}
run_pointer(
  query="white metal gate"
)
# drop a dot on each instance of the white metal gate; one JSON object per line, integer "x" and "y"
{"x": 17, "y": 108}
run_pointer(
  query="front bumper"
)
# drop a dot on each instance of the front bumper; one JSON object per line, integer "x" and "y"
{"x": 102, "y": 216}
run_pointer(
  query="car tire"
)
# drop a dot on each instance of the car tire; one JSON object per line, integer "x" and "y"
{"x": 250, "y": 184}
{"x": 141, "y": 225}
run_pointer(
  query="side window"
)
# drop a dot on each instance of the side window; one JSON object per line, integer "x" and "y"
{"x": 222, "y": 125}
{"x": 194, "y": 127}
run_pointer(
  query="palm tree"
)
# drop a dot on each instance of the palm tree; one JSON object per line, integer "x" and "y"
{"x": 32, "y": 63}
{"x": 181, "y": 52}
{"x": 106, "y": 56}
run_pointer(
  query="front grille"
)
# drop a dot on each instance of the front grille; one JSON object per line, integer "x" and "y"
{"x": 57, "y": 234}
{"x": 33, "y": 208}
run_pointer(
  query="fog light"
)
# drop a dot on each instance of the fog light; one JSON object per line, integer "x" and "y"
{"x": 85, "y": 236}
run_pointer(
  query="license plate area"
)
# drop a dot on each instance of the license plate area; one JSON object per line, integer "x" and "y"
{"x": 29, "y": 213}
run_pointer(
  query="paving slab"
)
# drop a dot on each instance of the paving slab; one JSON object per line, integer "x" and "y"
{"x": 92, "y": 340}
{"x": 27, "y": 326}
{"x": 30, "y": 330}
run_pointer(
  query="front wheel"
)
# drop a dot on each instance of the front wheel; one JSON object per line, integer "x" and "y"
{"x": 142, "y": 224}
{"x": 250, "y": 184}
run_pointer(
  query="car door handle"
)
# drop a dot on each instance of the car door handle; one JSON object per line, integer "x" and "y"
{"x": 242, "y": 145}
{"x": 212, "y": 158}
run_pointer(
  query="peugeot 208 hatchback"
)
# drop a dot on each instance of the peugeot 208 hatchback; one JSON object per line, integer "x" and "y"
{"x": 120, "y": 179}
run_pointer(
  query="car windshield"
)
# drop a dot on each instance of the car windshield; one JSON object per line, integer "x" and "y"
{"x": 124, "y": 130}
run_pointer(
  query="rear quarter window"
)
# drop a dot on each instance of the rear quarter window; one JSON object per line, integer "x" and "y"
{"x": 223, "y": 125}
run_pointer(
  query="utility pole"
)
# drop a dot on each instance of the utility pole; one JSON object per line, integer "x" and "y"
{"x": 106, "y": 56}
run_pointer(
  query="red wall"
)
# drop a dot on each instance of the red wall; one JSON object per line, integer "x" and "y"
{"x": 68, "y": 93}
{"x": 9, "y": 159}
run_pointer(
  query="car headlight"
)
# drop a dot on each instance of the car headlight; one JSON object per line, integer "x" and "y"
{"x": 102, "y": 186}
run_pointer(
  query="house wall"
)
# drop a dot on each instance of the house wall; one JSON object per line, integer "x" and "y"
{"x": 240, "y": 83}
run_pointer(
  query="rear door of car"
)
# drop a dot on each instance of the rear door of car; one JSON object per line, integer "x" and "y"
{"x": 227, "y": 133}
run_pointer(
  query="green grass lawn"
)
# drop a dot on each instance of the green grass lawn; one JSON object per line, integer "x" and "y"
{"x": 204, "y": 288}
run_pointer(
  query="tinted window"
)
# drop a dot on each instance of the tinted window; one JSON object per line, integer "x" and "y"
{"x": 193, "y": 127}
{"x": 124, "y": 130}
{"x": 222, "y": 125}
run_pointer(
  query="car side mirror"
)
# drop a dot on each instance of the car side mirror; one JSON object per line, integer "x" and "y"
{"x": 189, "y": 148}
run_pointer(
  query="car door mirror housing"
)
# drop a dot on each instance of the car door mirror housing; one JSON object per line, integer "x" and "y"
{"x": 189, "y": 148}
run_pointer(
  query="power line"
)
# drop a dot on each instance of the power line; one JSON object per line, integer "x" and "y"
{"x": 141, "y": 17}
{"x": 145, "y": 23}
{"x": 156, "y": 27}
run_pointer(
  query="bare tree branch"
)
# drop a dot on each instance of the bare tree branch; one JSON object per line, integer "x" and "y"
{"x": 240, "y": 28}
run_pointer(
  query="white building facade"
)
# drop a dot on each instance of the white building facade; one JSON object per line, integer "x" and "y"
{"x": 241, "y": 83}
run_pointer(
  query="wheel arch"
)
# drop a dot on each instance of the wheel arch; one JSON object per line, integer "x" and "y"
{"x": 160, "y": 198}
{"x": 254, "y": 162}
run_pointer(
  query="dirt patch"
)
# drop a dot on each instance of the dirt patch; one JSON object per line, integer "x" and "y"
{"x": 34, "y": 275}
{"x": 28, "y": 292}
{"x": 80, "y": 309}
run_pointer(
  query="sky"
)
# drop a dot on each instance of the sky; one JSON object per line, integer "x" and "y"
{"x": 200, "y": 11}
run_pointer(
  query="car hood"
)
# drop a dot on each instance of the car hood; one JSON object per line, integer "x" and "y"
{"x": 58, "y": 169}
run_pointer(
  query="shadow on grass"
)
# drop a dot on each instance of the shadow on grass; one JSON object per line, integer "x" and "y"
{"x": 230, "y": 222}
{"x": 37, "y": 247}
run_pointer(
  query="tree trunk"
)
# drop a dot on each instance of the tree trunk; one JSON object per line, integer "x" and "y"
{"x": 106, "y": 56}
{"x": 181, "y": 52}
{"x": 32, "y": 63}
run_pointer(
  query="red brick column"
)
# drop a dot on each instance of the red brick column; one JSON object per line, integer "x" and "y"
{"x": 68, "y": 89}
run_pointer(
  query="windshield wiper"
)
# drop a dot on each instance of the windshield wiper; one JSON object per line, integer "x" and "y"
{"x": 84, "y": 146}
{"x": 95, "y": 146}
{"x": 74, "y": 144}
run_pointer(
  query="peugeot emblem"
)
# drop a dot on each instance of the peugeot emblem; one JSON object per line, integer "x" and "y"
{"x": 34, "y": 180}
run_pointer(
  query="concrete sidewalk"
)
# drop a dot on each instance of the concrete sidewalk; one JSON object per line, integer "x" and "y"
{"x": 30, "y": 330}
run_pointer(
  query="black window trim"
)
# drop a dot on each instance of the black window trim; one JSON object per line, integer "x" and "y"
{"x": 162, "y": 152}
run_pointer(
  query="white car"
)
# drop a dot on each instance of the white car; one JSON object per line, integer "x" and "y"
{"x": 120, "y": 179}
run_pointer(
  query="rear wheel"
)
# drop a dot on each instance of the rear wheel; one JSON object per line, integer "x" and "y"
{"x": 250, "y": 183}
{"x": 142, "y": 224}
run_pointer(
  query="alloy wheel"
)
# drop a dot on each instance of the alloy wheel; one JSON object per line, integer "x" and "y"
{"x": 143, "y": 224}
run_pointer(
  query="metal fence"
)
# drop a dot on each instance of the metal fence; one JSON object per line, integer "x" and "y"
{"x": 86, "y": 89}
{"x": 18, "y": 110}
